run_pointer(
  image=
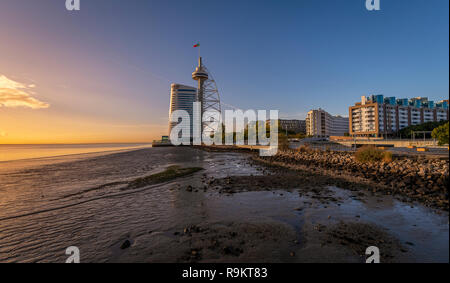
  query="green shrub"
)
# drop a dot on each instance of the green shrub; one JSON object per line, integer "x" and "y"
{"x": 428, "y": 126}
{"x": 370, "y": 153}
{"x": 441, "y": 134}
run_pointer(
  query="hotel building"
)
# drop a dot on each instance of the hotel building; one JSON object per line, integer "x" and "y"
{"x": 320, "y": 123}
{"x": 182, "y": 98}
{"x": 377, "y": 115}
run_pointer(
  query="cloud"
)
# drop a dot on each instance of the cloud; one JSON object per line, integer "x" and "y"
{"x": 15, "y": 94}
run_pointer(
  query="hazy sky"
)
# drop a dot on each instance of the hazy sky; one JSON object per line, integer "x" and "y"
{"x": 103, "y": 74}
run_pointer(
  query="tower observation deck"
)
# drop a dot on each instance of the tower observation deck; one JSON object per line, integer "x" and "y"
{"x": 200, "y": 75}
{"x": 208, "y": 96}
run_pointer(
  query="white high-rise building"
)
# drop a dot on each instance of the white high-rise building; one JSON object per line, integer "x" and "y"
{"x": 320, "y": 123}
{"x": 182, "y": 97}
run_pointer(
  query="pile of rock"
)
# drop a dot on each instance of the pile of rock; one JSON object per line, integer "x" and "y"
{"x": 419, "y": 178}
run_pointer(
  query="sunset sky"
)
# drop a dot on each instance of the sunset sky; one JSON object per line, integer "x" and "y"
{"x": 103, "y": 74}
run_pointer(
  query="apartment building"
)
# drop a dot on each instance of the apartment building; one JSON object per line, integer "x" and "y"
{"x": 297, "y": 126}
{"x": 319, "y": 123}
{"x": 377, "y": 115}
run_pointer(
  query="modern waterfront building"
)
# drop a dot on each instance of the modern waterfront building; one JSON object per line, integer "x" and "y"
{"x": 302, "y": 126}
{"x": 182, "y": 97}
{"x": 320, "y": 123}
{"x": 296, "y": 126}
{"x": 377, "y": 115}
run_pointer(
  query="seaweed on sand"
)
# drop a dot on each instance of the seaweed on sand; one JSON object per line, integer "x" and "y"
{"x": 171, "y": 172}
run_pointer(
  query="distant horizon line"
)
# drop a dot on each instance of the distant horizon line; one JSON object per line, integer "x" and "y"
{"x": 76, "y": 143}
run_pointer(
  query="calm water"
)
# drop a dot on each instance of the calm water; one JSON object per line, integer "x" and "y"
{"x": 18, "y": 152}
{"x": 46, "y": 206}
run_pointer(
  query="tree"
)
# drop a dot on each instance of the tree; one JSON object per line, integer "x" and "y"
{"x": 428, "y": 126}
{"x": 441, "y": 134}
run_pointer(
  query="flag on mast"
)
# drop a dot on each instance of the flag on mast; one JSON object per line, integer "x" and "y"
{"x": 197, "y": 45}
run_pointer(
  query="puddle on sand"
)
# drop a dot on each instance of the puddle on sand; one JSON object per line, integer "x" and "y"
{"x": 423, "y": 233}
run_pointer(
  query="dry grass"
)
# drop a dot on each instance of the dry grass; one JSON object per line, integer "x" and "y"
{"x": 283, "y": 142}
{"x": 387, "y": 157}
{"x": 367, "y": 154}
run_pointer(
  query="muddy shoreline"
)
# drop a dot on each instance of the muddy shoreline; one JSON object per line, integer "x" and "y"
{"x": 340, "y": 240}
{"x": 237, "y": 209}
{"x": 410, "y": 179}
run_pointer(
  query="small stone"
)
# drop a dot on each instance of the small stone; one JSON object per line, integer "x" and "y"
{"x": 125, "y": 245}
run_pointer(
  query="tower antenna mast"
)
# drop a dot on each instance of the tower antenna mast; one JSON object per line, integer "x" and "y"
{"x": 207, "y": 95}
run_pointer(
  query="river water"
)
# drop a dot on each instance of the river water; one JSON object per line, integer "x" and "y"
{"x": 42, "y": 151}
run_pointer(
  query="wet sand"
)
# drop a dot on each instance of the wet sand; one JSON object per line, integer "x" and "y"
{"x": 234, "y": 210}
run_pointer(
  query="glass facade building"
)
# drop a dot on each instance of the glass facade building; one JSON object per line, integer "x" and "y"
{"x": 182, "y": 98}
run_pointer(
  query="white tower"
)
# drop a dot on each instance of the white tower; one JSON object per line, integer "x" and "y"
{"x": 208, "y": 96}
{"x": 200, "y": 75}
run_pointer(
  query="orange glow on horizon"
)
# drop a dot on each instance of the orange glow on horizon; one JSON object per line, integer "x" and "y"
{"x": 26, "y": 119}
